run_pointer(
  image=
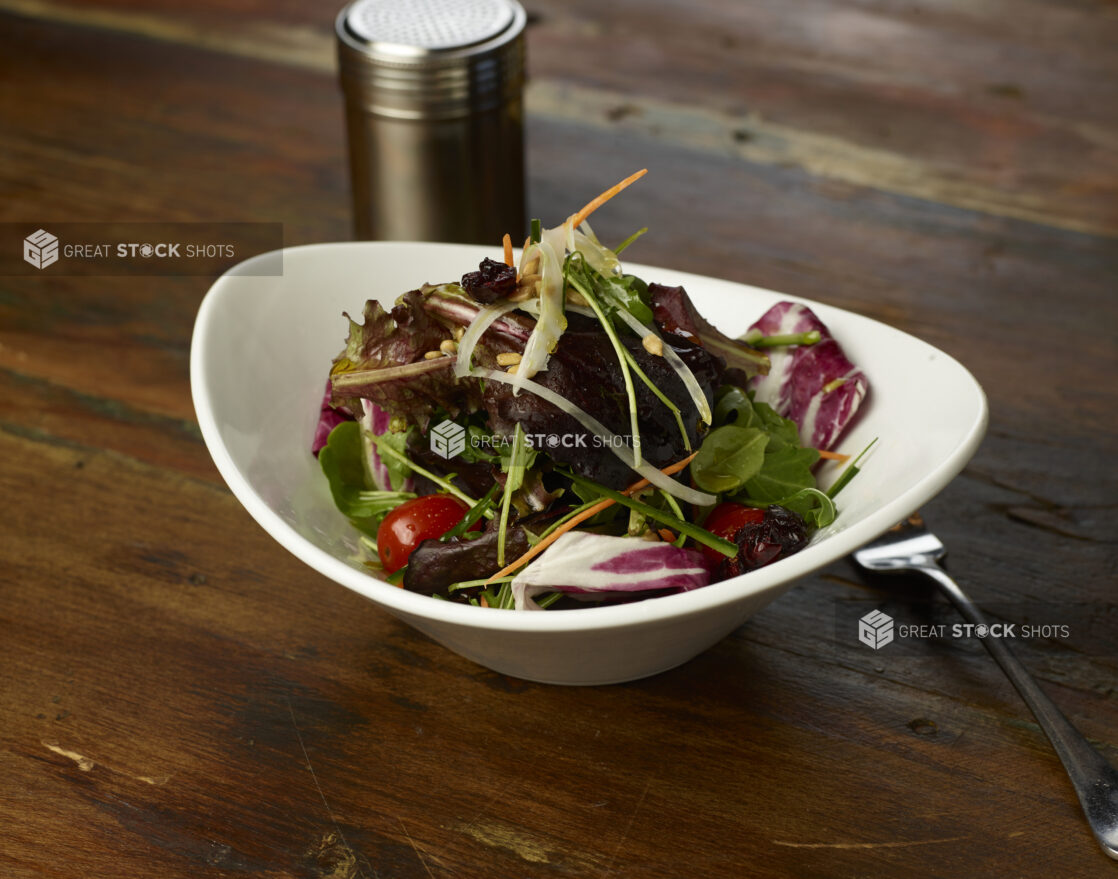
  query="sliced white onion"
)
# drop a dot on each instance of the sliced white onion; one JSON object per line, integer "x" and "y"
{"x": 532, "y": 307}
{"x": 676, "y": 362}
{"x": 481, "y": 322}
{"x": 529, "y": 253}
{"x": 597, "y": 255}
{"x": 592, "y": 424}
{"x": 551, "y": 321}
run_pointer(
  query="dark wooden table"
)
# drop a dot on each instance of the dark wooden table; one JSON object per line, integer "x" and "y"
{"x": 182, "y": 698}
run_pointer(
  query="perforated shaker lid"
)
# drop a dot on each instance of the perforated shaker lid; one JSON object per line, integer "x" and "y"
{"x": 428, "y": 58}
{"x": 418, "y": 27}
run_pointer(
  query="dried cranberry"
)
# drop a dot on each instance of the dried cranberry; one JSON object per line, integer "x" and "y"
{"x": 779, "y": 534}
{"x": 492, "y": 281}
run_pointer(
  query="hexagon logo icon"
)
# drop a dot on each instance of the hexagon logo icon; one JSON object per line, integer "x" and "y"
{"x": 448, "y": 439}
{"x": 875, "y": 629}
{"x": 40, "y": 249}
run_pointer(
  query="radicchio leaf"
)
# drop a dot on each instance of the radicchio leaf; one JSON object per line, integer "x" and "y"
{"x": 328, "y": 419}
{"x": 816, "y": 386}
{"x": 581, "y": 563}
{"x": 390, "y": 474}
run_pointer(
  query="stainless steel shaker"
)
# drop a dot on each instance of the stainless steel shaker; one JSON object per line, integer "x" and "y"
{"x": 434, "y": 113}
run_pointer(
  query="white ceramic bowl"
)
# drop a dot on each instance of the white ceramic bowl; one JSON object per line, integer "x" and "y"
{"x": 261, "y": 351}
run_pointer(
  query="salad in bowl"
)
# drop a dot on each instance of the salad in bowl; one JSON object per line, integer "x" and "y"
{"x": 551, "y": 431}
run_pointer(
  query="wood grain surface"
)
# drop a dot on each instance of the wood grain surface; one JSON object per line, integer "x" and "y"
{"x": 179, "y": 697}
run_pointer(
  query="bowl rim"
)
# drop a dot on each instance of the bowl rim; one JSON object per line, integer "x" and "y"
{"x": 783, "y": 573}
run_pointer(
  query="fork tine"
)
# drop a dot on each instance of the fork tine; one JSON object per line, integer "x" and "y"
{"x": 907, "y": 544}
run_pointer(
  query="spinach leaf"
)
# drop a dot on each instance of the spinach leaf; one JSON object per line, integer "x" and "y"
{"x": 728, "y": 458}
{"x": 782, "y": 473}
{"x": 738, "y": 407}
{"x": 783, "y": 430}
{"x": 733, "y": 406}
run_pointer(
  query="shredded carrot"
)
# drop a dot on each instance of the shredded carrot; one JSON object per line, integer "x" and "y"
{"x": 670, "y": 470}
{"x": 666, "y": 535}
{"x": 588, "y": 513}
{"x": 483, "y": 602}
{"x": 507, "y": 241}
{"x": 832, "y": 456}
{"x": 578, "y": 219}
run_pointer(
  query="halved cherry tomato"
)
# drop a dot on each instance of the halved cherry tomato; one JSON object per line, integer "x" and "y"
{"x": 726, "y": 520}
{"x": 414, "y": 521}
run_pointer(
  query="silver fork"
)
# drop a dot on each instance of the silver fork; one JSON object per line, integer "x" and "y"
{"x": 909, "y": 546}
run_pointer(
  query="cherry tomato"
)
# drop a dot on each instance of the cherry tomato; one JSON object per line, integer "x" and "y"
{"x": 726, "y": 520}
{"x": 414, "y": 521}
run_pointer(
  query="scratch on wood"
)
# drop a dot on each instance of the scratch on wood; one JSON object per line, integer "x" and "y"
{"x": 84, "y": 763}
{"x": 867, "y": 845}
{"x": 628, "y": 827}
{"x": 322, "y": 796}
{"x": 415, "y": 848}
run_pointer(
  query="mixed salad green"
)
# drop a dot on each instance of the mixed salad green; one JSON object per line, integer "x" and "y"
{"x": 558, "y": 431}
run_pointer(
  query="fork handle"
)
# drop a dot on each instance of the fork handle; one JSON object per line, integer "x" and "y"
{"x": 1094, "y": 779}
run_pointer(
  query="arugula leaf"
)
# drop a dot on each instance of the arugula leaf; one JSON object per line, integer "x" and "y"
{"x": 398, "y": 470}
{"x": 627, "y": 291}
{"x": 472, "y": 515}
{"x": 728, "y": 458}
{"x": 342, "y": 460}
{"x": 696, "y": 533}
{"x": 518, "y": 456}
{"x": 384, "y": 449}
{"x": 517, "y": 466}
{"x": 630, "y": 293}
{"x": 813, "y": 506}
{"x": 478, "y": 446}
